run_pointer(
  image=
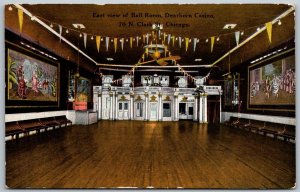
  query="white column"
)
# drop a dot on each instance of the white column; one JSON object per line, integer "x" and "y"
{"x": 205, "y": 109}
{"x": 111, "y": 106}
{"x": 131, "y": 107}
{"x": 146, "y": 107}
{"x": 200, "y": 109}
{"x": 116, "y": 107}
{"x": 176, "y": 108}
{"x": 99, "y": 106}
{"x": 196, "y": 108}
{"x": 159, "y": 107}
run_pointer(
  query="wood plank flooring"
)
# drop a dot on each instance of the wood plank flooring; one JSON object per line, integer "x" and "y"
{"x": 149, "y": 154}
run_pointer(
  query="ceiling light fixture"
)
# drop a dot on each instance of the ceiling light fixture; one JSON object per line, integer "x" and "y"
{"x": 67, "y": 31}
{"x": 199, "y": 59}
{"x": 10, "y": 8}
{"x": 92, "y": 37}
{"x": 80, "y": 35}
{"x": 258, "y": 28}
{"x": 51, "y": 25}
{"x": 242, "y": 33}
{"x": 218, "y": 39}
{"x": 206, "y": 40}
{"x": 229, "y": 26}
{"x": 109, "y": 59}
{"x": 78, "y": 26}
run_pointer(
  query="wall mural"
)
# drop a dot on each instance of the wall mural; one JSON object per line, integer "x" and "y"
{"x": 273, "y": 83}
{"x": 30, "y": 79}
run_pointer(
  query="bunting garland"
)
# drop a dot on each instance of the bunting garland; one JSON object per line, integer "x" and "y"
{"x": 179, "y": 41}
{"x": 195, "y": 43}
{"x": 106, "y": 43}
{"x": 60, "y": 32}
{"x": 269, "y": 30}
{"x": 131, "y": 42}
{"x": 212, "y": 40}
{"x": 237, "y": 37}
{"x": 173, "y": 38}
{"x": 20, "y": 16}
{"x": 122, "y": 43}
{"x": 116, "y": 44}
{"x": 169, "y": 38}
{"x": 98, "y": 38}
{"x": 186, "y": 43}
{"x": 84, "y": 39}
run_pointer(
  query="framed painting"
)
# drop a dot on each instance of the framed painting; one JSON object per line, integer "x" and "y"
{"x": 32, "y": 80}
{"x": 272, "y": 85}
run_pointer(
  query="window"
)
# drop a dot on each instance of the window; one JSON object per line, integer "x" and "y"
{"x": 120, "y": 106}
{"x": 182, "y": 108}
{"x": 125, "y": 106}
{"x": 166, "y": 110}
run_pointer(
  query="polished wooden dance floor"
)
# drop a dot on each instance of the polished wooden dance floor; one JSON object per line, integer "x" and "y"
{"x": 149, "y": 154}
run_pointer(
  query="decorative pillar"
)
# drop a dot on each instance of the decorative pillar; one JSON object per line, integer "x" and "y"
{"x": 131, "y": 106}
{"x": 159, "y": 107}
{"x": 116, "y": 106}
{"x": 99, "y": 106}
{"x": 201, "y": 108}
{"x": 111, "y": 106}
{"x": 196, "y": 108}
{"x": 176, "y": 107}
{"x": 146, "y": 106}
{"x": 205, "y": 108}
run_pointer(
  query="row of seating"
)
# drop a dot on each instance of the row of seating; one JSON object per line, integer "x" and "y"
{"x": 276, "y": 130}
{"x": 26, "y": 127}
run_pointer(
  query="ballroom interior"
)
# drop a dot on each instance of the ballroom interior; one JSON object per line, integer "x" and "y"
{"x": 164, "y": 96}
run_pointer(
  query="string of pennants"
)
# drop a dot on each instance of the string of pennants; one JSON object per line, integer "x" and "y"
{"x": 145, "y": 38}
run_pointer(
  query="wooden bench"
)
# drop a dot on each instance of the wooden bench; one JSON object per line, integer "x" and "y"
{"x": 13, "y": 129}
{"x": 276, "y": 130}
{"x": 27, "y": 127}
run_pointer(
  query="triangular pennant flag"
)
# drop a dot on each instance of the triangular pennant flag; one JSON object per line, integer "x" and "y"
{"x": 212, "y": 41}
{"x": 144, "y": 38}
{"x": 98, "y": 38}
{"x": 179, "y": 41}
{"x": 158, "y": 34}
{"x": 84, "y": 39}
{"x": 122, "y": 43}
{"x": 237, "y": 37}
{"x": 137, "y": 41}
{"x": 106, "y": 43}
{"x": 147, "y": 38}
{"x": 130, "y": 41}
{"x": 116, "y": 44}
{"x": 186, "y": 43}
{"x": 143, "y": 57}
{"x": 173, "y": 38}
{"x": 146, "y": 51}
{"x": 20, "y": 15}
{"x": 60, "y": 32}
{"x": 195, "y": 43}
{"x": 269, "y": 30}
{"x": 164, "y": 37}
{"x": 169, "y": 38}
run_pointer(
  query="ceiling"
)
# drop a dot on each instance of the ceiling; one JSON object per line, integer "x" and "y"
{"x": 210, "y": 23}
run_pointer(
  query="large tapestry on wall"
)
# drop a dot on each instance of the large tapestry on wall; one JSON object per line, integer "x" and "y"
{"x": 273, "y": 84}
{"x": 30, "y": 79}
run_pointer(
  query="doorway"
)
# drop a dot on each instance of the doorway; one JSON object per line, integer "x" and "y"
{"x": 123, "y": 111}
{"x": 186, "y": 110}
